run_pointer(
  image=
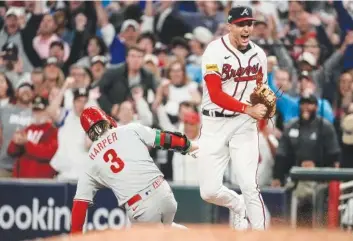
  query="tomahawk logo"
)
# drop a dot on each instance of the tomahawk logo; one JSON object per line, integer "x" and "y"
{"x": 245, "y": 12}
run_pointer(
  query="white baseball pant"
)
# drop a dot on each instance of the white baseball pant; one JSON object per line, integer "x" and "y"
{"x": 233, "y": 138}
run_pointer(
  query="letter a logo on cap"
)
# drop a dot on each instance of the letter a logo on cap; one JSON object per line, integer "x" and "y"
{"x": 245, "y": 12}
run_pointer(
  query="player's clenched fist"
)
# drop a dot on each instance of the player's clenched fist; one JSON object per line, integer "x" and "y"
{"x": 257, "y": 111}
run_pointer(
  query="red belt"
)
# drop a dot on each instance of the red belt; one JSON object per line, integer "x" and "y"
{"x": 138, "y": 197}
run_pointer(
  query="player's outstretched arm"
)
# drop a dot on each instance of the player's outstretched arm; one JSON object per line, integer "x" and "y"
{"x": 174, "y": 141}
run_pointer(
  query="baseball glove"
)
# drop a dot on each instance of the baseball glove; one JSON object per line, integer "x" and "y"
{"x": 264, "y": 95}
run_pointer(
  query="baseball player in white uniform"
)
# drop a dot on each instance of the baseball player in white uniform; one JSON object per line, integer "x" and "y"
{"x": 232, "y": 66}
{"x": 119, "y": 159}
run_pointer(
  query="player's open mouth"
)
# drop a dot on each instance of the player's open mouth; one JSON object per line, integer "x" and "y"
{"x": 244, "y": 38}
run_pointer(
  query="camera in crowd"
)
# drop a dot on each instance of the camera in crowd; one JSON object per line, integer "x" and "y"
{"x": 9, "y": 55}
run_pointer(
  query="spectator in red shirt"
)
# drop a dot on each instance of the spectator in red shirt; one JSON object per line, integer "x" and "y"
{"x": 35, "y": 145}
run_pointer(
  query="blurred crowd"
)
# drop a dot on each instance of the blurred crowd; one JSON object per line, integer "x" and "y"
{"x": 140, "y": 61}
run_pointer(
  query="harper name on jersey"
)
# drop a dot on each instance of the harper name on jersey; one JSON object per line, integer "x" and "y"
{"x": 110, "y": 139}
{"x": 123, "y": 164}
{"x": 240, "y": 72}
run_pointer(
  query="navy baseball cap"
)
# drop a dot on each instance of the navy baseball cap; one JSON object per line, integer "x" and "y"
{"x": 310, "y": 99}
{"x": 80, "y": 92}
{"x": 239, "y": 14}
{"x": 39, "y": 103}
{"x": 25, "y": 84}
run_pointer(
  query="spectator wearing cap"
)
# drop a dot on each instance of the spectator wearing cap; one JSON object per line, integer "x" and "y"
{"x": 13, "y": 32}
{"x": 35, "y": 145}
{"x": 309, "y": 140}
{"x": 127, "y": 37}
{"x": 94, "y": 46}
{"x": 151, "y": 63}
{"x": 288, "y": 106}
{"x": 12, "y": 64}
{"x": 7, "y": 93}
{"x": 198, "y": 41}
{"x": 14, "y": 117}
{"x": 70, "y": 157}
{"x": 116, "y": 83}
{"x": 164, "y": 21}
{"x": 184, "y": 166}
{"x": 118, "y": 43}
{"x": 325, "y": 74}
{"x": 347, "y": 142}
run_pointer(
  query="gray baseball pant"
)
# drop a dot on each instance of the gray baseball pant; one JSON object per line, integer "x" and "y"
{"x": 157, "y": 205}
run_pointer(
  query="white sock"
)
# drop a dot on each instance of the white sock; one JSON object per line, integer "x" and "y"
{"x": 175, "y": 225}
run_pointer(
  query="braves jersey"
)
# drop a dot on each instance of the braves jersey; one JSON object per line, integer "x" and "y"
{"x": 119, "y": 160}
{"x": 239, "y": 71}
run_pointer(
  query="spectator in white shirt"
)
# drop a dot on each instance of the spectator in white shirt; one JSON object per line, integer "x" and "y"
{"x": 71, "y": 154}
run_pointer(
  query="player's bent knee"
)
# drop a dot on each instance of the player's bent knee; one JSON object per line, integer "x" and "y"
{"x": 208, "y": 194}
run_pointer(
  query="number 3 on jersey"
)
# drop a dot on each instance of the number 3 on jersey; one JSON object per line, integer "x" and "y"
{"x": 112, "y": 157}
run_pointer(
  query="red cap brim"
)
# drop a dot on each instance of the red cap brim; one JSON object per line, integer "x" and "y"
{"x": 242, "y": 19}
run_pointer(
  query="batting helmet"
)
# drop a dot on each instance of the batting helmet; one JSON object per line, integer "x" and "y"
{"x": 93, "y": 115}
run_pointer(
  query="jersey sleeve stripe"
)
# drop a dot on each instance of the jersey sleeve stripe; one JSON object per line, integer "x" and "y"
{"x": 212, "y": 72}
{"x": 157, "y": 141}
{"x": 83, "y": 200}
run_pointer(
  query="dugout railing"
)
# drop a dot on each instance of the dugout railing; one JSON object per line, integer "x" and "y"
{"x": 337, "y": 183}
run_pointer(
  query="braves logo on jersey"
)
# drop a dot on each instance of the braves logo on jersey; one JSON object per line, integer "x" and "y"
{"x": 247, "y": 73}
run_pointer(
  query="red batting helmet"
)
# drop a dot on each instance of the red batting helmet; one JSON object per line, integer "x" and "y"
{"x": 92, "y": 115}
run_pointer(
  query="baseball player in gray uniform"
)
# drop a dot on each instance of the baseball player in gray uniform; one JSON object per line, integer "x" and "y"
{"x": 119, "y": 159}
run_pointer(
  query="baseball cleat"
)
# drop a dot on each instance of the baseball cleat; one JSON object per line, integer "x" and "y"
{"x": 238, "y": 220}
